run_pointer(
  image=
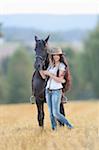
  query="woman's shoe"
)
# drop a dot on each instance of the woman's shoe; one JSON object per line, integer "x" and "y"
{"x": 70, "y": 126}
{"x": 54, "y": 129}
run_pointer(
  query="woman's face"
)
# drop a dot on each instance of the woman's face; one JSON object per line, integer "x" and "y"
{"x": 56, "y": 57}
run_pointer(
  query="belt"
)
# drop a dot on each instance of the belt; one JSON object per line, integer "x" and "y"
{"x": 53, "y": 89}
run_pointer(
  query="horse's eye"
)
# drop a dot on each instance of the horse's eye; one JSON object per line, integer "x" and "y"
{"x": 44, "y": 43}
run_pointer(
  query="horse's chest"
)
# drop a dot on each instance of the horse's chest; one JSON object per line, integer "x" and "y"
{"x": 38, "y": 83}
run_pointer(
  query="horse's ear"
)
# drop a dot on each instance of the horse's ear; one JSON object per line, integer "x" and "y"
{"x": 36, "y": 38}
{"x": 47, "y": 38}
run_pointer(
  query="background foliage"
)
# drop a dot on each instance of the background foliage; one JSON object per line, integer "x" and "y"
{"x": 16, "y": 71}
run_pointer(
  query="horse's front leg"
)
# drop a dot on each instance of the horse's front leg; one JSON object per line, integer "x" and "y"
{"x": 40, "y": 108}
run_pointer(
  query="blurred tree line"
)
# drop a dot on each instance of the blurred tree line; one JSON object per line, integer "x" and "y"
{"x": 15, "y": 77}
{"x": 85, "y": 68}
{"x": 16, "y": 72}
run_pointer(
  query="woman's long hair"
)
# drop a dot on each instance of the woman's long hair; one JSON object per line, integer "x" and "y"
{"x": 67, "y": 75}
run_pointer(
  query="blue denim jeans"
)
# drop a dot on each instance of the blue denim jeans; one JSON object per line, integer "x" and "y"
{"x": 53, "y": 99}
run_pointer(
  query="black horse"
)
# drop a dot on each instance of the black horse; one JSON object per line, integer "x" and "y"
{"x": 38, "y": 83}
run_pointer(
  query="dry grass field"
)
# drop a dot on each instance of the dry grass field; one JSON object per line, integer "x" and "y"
{"x": 19, "y": 128}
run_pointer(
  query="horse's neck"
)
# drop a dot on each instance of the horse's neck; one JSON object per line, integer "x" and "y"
{"x": 38, "y": 74}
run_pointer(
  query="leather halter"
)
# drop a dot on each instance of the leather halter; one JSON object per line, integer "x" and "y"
{"x": 43, "y": 60}
{"x": 38, "y": 56}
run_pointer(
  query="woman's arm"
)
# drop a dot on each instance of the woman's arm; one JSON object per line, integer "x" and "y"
{"x": 59, "y": 79}
{"x": 42, "y": 74}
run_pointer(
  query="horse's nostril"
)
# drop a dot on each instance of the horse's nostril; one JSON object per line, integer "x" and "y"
{"x": 39, "y": 66}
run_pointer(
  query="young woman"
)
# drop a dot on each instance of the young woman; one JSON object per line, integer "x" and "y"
{"x": 54, "y": 86}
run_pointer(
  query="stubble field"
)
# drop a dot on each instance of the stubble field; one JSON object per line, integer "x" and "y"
{"x": 19, "y": 128}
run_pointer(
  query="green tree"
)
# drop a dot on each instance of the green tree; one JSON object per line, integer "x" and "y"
{"x": 3, "y": 88}
{"x": 19, "y": 76}
{"x": 92, "y": 60}
{"x": 71, "y": 58}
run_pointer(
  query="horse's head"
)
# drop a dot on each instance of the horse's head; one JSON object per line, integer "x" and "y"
{"x": 41, "y": 53}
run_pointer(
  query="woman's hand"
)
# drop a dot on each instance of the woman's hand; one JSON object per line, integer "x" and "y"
{"x": 63, "y": 80}
{"x": 42, "y": 74}
{"x": 47, "y": 73}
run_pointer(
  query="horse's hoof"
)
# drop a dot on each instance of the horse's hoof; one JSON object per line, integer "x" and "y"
{"x": 41, "y": 128}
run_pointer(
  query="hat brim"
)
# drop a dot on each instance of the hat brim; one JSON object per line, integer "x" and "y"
{"x": 56, "y": 53}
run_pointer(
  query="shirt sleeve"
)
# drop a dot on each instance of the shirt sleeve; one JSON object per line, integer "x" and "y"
{"x": 62, "y": 67}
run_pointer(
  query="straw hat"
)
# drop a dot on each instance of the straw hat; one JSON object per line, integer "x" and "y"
{"x": 53, "y": 51}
